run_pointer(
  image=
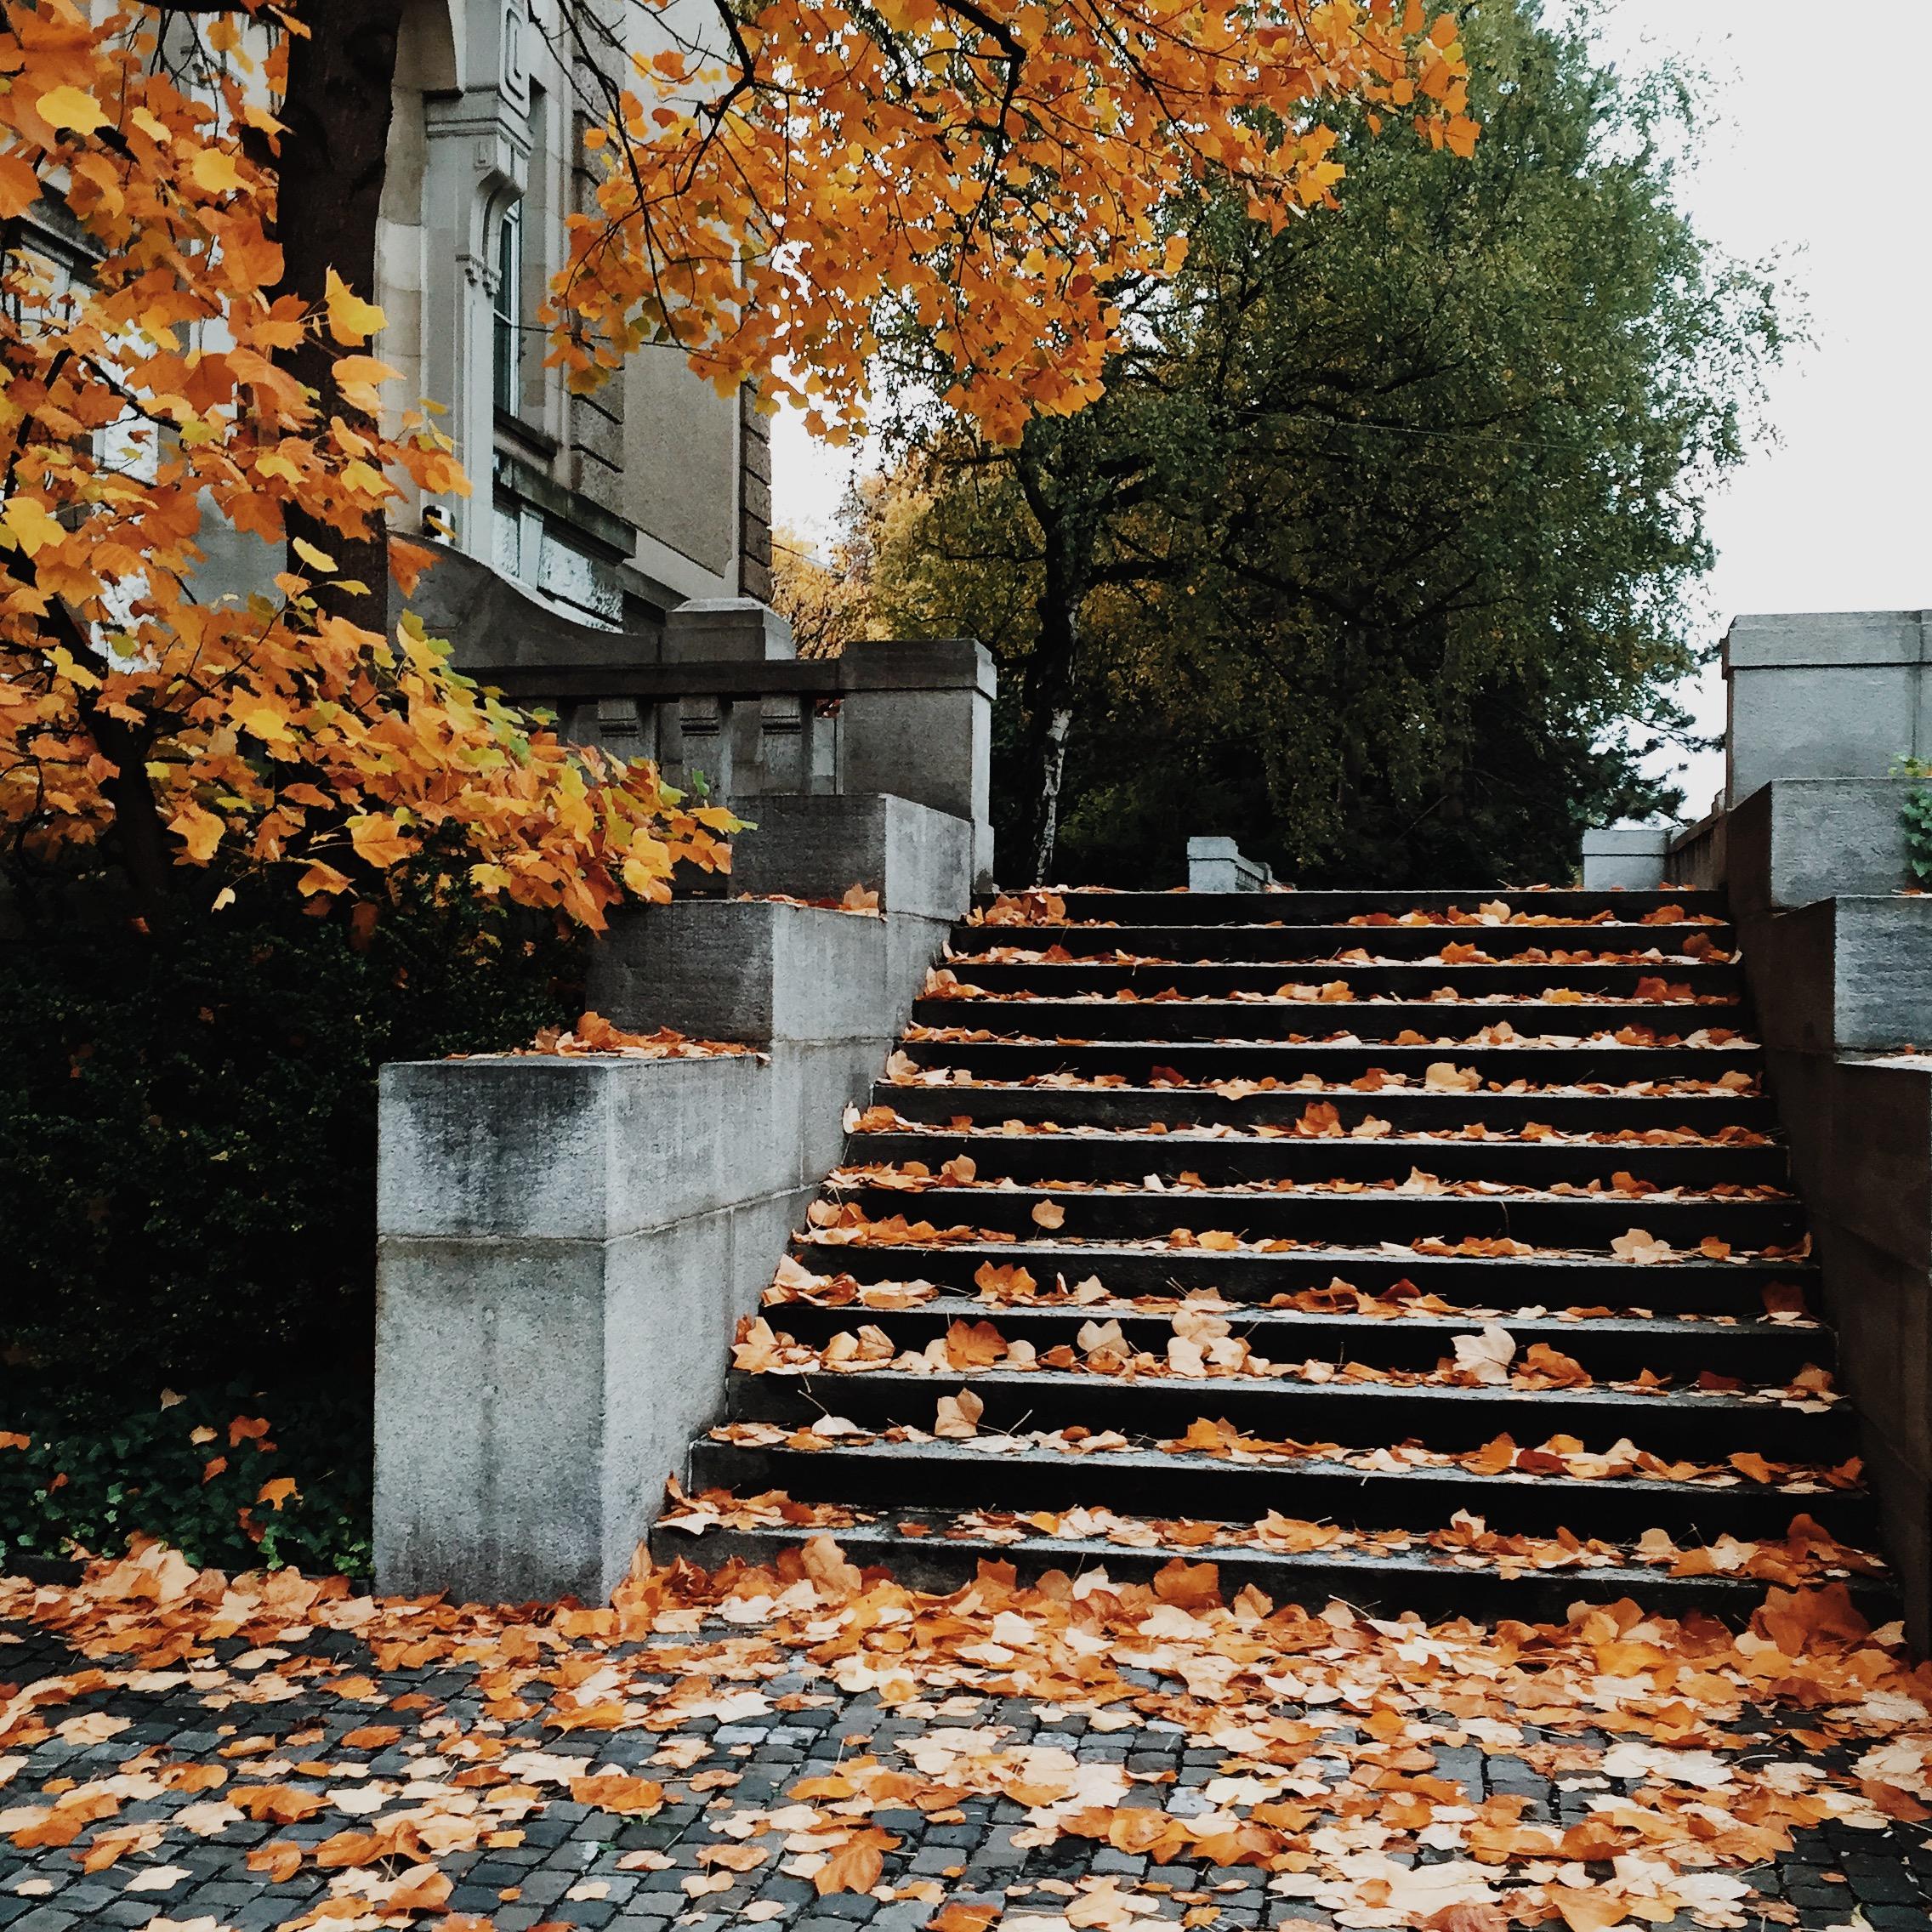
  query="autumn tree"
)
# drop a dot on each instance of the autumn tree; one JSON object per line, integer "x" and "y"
{"x": 773, "y": 193}
{"x": 1380, "y": 549}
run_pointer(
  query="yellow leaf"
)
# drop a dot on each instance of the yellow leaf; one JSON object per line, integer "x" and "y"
{"x": 199, "y": 830}
{"x": 315, "y": 558}
{"x": 377, "y": 840}
{"x": 71, "y": 107}
{"x": 34, "y": 526}
{"x": 213, "y": 170}
{"x": 352, "y": 320}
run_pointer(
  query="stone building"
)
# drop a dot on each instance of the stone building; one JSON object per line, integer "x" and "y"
{"x": 605, "y": 510}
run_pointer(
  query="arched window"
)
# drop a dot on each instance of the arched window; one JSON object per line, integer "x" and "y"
{"x": 507, "y": 360}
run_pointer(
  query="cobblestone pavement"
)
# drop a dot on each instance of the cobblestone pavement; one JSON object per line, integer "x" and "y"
{"x": 571, "y": 1864}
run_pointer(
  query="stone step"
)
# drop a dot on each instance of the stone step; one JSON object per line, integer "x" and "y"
{"x": 1408, "y": 1109}
{"x": 1052, "y": 981}
{"x": 1558, "y": 905}
{"x": 1734, "y": 1287}
{"x": 1283, "y": 944}
{"x": 1360, "y": 1415}
{"x": 1583, "y": 1222}
{"x": 1099, "y": 1156}
{"x": 929, "y": 1550}
{"x": 1253, "y": 1057}
{"x": 876, "y": 1475}
{"x": 1611, "y": 1348}
{"x": 1215, "y": 1020}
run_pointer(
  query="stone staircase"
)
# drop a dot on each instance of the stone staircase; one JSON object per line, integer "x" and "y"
{"x": 1427, "y": 1250}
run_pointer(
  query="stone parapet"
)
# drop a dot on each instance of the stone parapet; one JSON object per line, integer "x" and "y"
{"x": 1220, "y": 864}
{"x": 566, "y": 1245}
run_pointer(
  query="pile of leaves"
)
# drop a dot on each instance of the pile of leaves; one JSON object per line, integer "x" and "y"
{"x": 1696, "y": 1754}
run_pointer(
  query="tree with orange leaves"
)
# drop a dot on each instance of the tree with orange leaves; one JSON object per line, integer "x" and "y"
{"x": 198, "y": 373}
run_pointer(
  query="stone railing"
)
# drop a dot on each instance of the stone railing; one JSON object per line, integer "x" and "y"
{"x": 1807, "y": 842}
{"x": 722, "y": 703}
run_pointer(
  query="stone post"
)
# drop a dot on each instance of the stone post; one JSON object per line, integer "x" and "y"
{"x": 1219, "y": 865}
{"x": 917, "y": 721}
{"x": 1836, "y": 694}
{"x": 1635, "y": 857}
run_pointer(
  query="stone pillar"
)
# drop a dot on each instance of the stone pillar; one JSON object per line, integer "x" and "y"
{"x": 738, "y": 629}
{"x": 917, "y": 721}
{"x": 1836, "y": 694}
{"x": 1635, "y": 857}
{"x": 1217, "y": 864}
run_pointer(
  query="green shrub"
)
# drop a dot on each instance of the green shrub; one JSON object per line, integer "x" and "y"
{"x": 238, "y": 1478}
{"x": 1916, "y": 814}
{"x": 188, "y": 1119}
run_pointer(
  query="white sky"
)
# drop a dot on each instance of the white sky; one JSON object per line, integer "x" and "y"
{"x": 1837, "y": 514}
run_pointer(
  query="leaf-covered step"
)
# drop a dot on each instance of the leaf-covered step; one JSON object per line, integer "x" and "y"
{"x": 1465, "y": 1569}
{"x": 1271, "y": 947}
{"x": 1688, "y": 1283}
{"x": 1354, "y": 1414}
{"x": 1447, "y": 1022}
{"x": 1423, "y": 1208}
{"x": 1246, "y": 1107}
{"x": 1608, "y": 1348}
{"x": 1380, "y": 1154}
{"x": 1456, "y": 1064}
{"x": 1379, "y": 1489}
{"x": 1474, "y": 908}
{"x": 1662, "y": 982}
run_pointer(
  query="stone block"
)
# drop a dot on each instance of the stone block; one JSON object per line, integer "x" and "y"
{"x": 919, "y": 861}
{"x": 743, "y": 970}
{"x": 1634, "y": 858}
{"x": 737, "y": 630}
{"x": 917, "y": 722}
{"x": 1796, "y": 840}
{"x": 1217, "y": 864}
{"x": 1830, "y": 694}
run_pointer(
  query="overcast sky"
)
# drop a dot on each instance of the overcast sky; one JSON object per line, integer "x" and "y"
{"x": 1837, "y": 513}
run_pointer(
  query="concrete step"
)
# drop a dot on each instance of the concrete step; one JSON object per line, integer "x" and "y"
{"x": 1031, "y": 1049}
{"x": 1283, "y": 943}
{"x": 1054, "y": 981}
{"x": 1431, "y": 1021}
{"x": 1692, "y": 1286}
{"x": 1408, "y": 1109}
{"x": 1360, "y": 1415}
{"x": 1103, "y": 1156}
{"x": 1757, "y": 1352}
{"x": 1118, "y": 1212}
{"x": 930, "y": 1550}
{"x": 996, "y": 1473}
{"x": 1524, "y": 907}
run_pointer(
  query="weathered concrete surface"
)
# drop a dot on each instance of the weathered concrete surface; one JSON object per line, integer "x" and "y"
{"x": 1219, "y": 865}
{"x": 1833, "y": 983}
{"x": 918, "y": 860}
{"x": 1631, "y": 857}
{"x": 1830, "y": 695}
{"x": 566, "y": 1246}
{"x": 918, "y": 725}
{"x": 1798, "y": 840}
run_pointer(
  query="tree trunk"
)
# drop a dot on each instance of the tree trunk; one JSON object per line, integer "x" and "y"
{"x": 337, "y": 114}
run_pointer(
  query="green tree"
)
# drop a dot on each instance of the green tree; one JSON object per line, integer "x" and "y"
{"x": 1380, "y": 551}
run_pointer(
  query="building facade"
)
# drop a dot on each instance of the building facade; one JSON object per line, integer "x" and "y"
{"x": 607, "y": 509}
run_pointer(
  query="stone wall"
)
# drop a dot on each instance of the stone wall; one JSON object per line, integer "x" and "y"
{"x": 567, "y": 1245}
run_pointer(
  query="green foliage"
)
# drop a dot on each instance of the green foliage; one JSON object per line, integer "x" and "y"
{"x": 1381, "y": 552}
{"x": 188, "y": 1117}
{"x": 92, "y": 1472}
{"x": 1916, "y": 815}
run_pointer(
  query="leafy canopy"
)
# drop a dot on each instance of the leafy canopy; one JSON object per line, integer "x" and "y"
{"x": 990, "y": 170}
{"x": 1381, "y": 552}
